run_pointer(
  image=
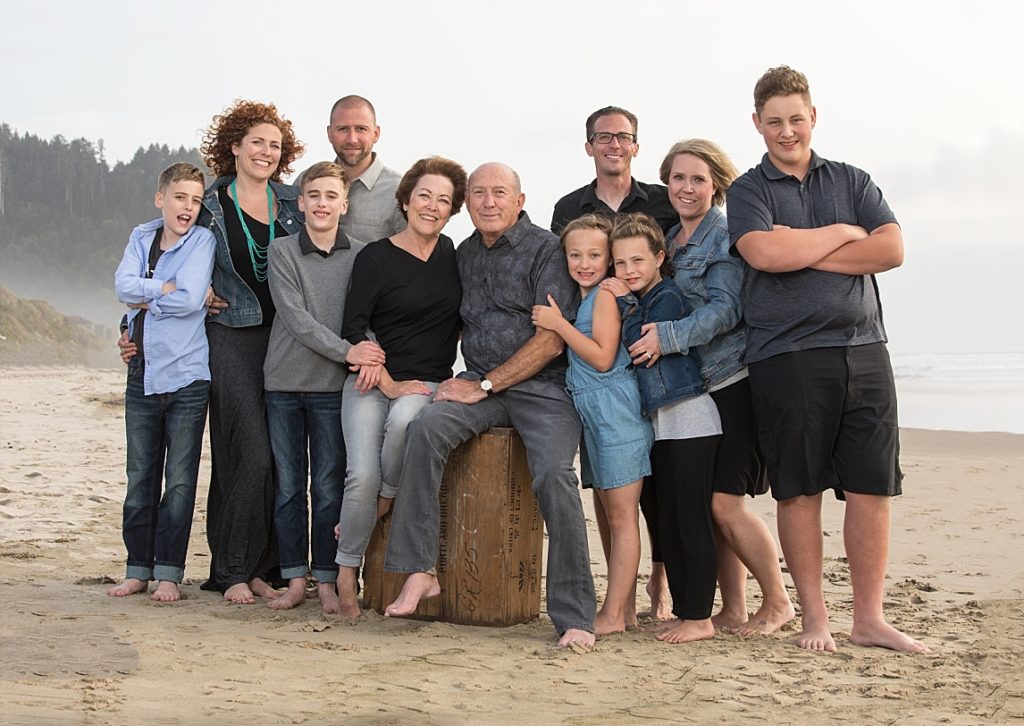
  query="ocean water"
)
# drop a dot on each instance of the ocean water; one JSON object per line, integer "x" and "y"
{"x": 961, "y": 391}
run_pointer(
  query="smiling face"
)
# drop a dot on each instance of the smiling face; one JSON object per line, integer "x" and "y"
{"x": 587, "y": 256}
{"x": 494, "y": 201}
{"x": 430, "y": 205}
{"x": 352, "y": 132}
{"x": 179, "y": 202}
{"x": 690, "y": 188}
{"x": 614, "y": 158}
{"x": 259, "y": 152}
{"x": 636, "y": 265}
{"x": 786, "y": 123}
{"x": 323, "y": 201}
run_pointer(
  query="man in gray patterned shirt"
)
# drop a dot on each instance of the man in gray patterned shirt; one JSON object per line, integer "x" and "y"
{"x": 373, "y": 211}
{"x": 515, "y": 377}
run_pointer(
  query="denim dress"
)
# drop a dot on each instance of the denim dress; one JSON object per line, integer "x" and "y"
{"x": 617, "y": 439}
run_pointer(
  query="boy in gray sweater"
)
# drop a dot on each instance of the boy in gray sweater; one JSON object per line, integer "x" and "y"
{"x": 304, "y": 372}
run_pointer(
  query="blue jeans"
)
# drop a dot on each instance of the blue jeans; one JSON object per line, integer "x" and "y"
{"x": 305, "y": 437}
{"x": 164, "y": 435}
{"x": 374, "y": 427}
{"x": 550, "y": 429}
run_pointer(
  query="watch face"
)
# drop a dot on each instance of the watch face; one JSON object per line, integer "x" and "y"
{"x": 486, "y": 385}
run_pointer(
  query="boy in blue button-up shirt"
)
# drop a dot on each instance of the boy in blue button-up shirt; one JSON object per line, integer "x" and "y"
{"x": 163, "y": 278}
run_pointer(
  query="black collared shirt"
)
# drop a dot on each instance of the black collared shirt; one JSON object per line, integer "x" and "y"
{"x": 307, "y": 246}
{"x": 650, "y": 199}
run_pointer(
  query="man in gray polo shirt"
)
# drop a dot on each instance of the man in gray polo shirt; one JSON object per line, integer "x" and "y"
{"x": 814, "y": 233}
{"x": 373, "y": 211}
{"x": 515, "y": 377}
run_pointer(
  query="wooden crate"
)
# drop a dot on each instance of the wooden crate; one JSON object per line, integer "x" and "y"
{"x": 492, "y": 539}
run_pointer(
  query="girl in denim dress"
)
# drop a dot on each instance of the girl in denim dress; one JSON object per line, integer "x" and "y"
{"x": 615, "y": 451}
{"x": 687, "y": 428}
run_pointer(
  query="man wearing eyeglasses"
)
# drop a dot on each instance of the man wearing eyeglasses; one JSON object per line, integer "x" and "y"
{"x": 612, "y": 144}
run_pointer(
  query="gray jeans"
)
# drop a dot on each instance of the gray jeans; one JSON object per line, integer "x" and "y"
{"x": 550, "y": 429}
{"x": 374, "y": 427}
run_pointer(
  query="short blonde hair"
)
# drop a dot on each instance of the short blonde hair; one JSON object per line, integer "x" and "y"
{"x": 182, "y": 171}
{"x": 780, "y": 81}
{"x": 321, "y": 170}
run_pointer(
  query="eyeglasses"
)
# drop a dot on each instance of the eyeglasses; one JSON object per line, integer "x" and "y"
{"x": 605, "y": 137}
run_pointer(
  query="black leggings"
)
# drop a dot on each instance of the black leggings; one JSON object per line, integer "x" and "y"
{"x": 682, "y": 476}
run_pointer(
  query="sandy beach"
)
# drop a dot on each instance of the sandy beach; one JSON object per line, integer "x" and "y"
{"x": 71, "y": 654}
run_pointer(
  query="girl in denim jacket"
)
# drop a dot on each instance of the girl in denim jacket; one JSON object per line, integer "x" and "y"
{"x": 616, "y": 446}
{"x": 686, "y": 430}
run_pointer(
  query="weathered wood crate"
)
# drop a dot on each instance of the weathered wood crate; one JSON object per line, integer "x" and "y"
{"x": 492, "y": 539}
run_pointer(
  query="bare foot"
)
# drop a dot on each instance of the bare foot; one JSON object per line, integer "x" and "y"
{"x": 418, "y": 586}
{"x": 260, "y": 588}
{"x": 166, "y": 591}
{"x": 239, "y": 594}
{"x": 579, "y": 638}
{"x": 605, "y": 624}
{"x": 816, "y": 636}
{"x": 130, "y": 586}
{"x": 687, "y": 631}
{"x": 729, "y": 622}
{"x": 883, "y": 635}
{"x": 384, "y": 506}
{"x": 295, "y": 595}
{"x": 327, "y": 592}
{"x": 657, "y": 590}
{"x": 348, "y": 600}
{"x": 767, "y": 620}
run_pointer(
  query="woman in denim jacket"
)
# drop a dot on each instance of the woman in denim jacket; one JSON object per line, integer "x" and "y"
{"x": 686, "y": 430}
{"x": 249, "y": 147}
{"x": 698, "y": 173}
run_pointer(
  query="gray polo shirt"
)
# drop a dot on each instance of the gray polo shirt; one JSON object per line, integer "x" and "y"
{"x": 500, "y": 286}
{"x": 373, "y": 211}
{"x": 806, "y": 308}
{"x": 306, "y": 352}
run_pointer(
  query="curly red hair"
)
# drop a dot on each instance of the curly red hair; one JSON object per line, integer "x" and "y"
{"x": 230, "y": 127}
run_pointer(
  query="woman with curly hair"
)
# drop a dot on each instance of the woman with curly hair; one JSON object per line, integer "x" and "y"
{"x": 248, "y": 147}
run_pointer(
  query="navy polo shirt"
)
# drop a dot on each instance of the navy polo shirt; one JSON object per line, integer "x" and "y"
{"x": 807, "y": 308}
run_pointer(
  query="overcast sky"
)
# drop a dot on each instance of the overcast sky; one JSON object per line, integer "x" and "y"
{"x": 924, "y": 95}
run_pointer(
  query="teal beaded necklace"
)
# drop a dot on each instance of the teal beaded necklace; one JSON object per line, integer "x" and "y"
{"x": 257, "y": 252}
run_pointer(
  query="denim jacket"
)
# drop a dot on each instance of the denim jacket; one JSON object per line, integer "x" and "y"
{"x": 243, "y": 308}
{"x": 710, "y": 280}
{"x": 673, "y": 377}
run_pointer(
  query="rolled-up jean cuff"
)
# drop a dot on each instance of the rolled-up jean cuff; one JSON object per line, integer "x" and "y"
{"x": 346, "y": 560}
{"x": 169, "y": 573}
{"x": 290, "y": 572}
{"x": 138, "y": 572}
{"x": 324, "y": 576}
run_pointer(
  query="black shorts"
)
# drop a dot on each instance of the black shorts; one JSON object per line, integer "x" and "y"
{"x": 739, "y": 466}
{"x": 826, "y": 419}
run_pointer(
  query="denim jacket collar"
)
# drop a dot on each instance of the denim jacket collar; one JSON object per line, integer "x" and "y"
{"x": 699, "y": 235}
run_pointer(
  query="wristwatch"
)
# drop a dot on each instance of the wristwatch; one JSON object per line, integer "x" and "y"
{"x": 486, "y": 385}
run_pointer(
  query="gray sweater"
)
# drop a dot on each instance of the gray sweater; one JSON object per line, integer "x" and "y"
{"x": 306, "y": 352}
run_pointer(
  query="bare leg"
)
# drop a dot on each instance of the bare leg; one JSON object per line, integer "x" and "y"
{"x": 657, "y": 590}
{"x": 602, "y": 526}
{"x": 866, "y": 536}
{"x": 732, "y": 585}
{"x": 418, "y": 586}
{"x": 622, "y": 512}
{"x": 800, "y": 533}
{"x": 348, "y": 601}
{"x": 129, "y": 586}
{"x": 685, "y": 631}
{"x": 327, "y": 593}
{"x": 384, "y": 505}
{"x": 749, "y": 538}
{"x": 239, "y": 594}
{"x": 294, "y": 595}
{"x": 166, "y": 591}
